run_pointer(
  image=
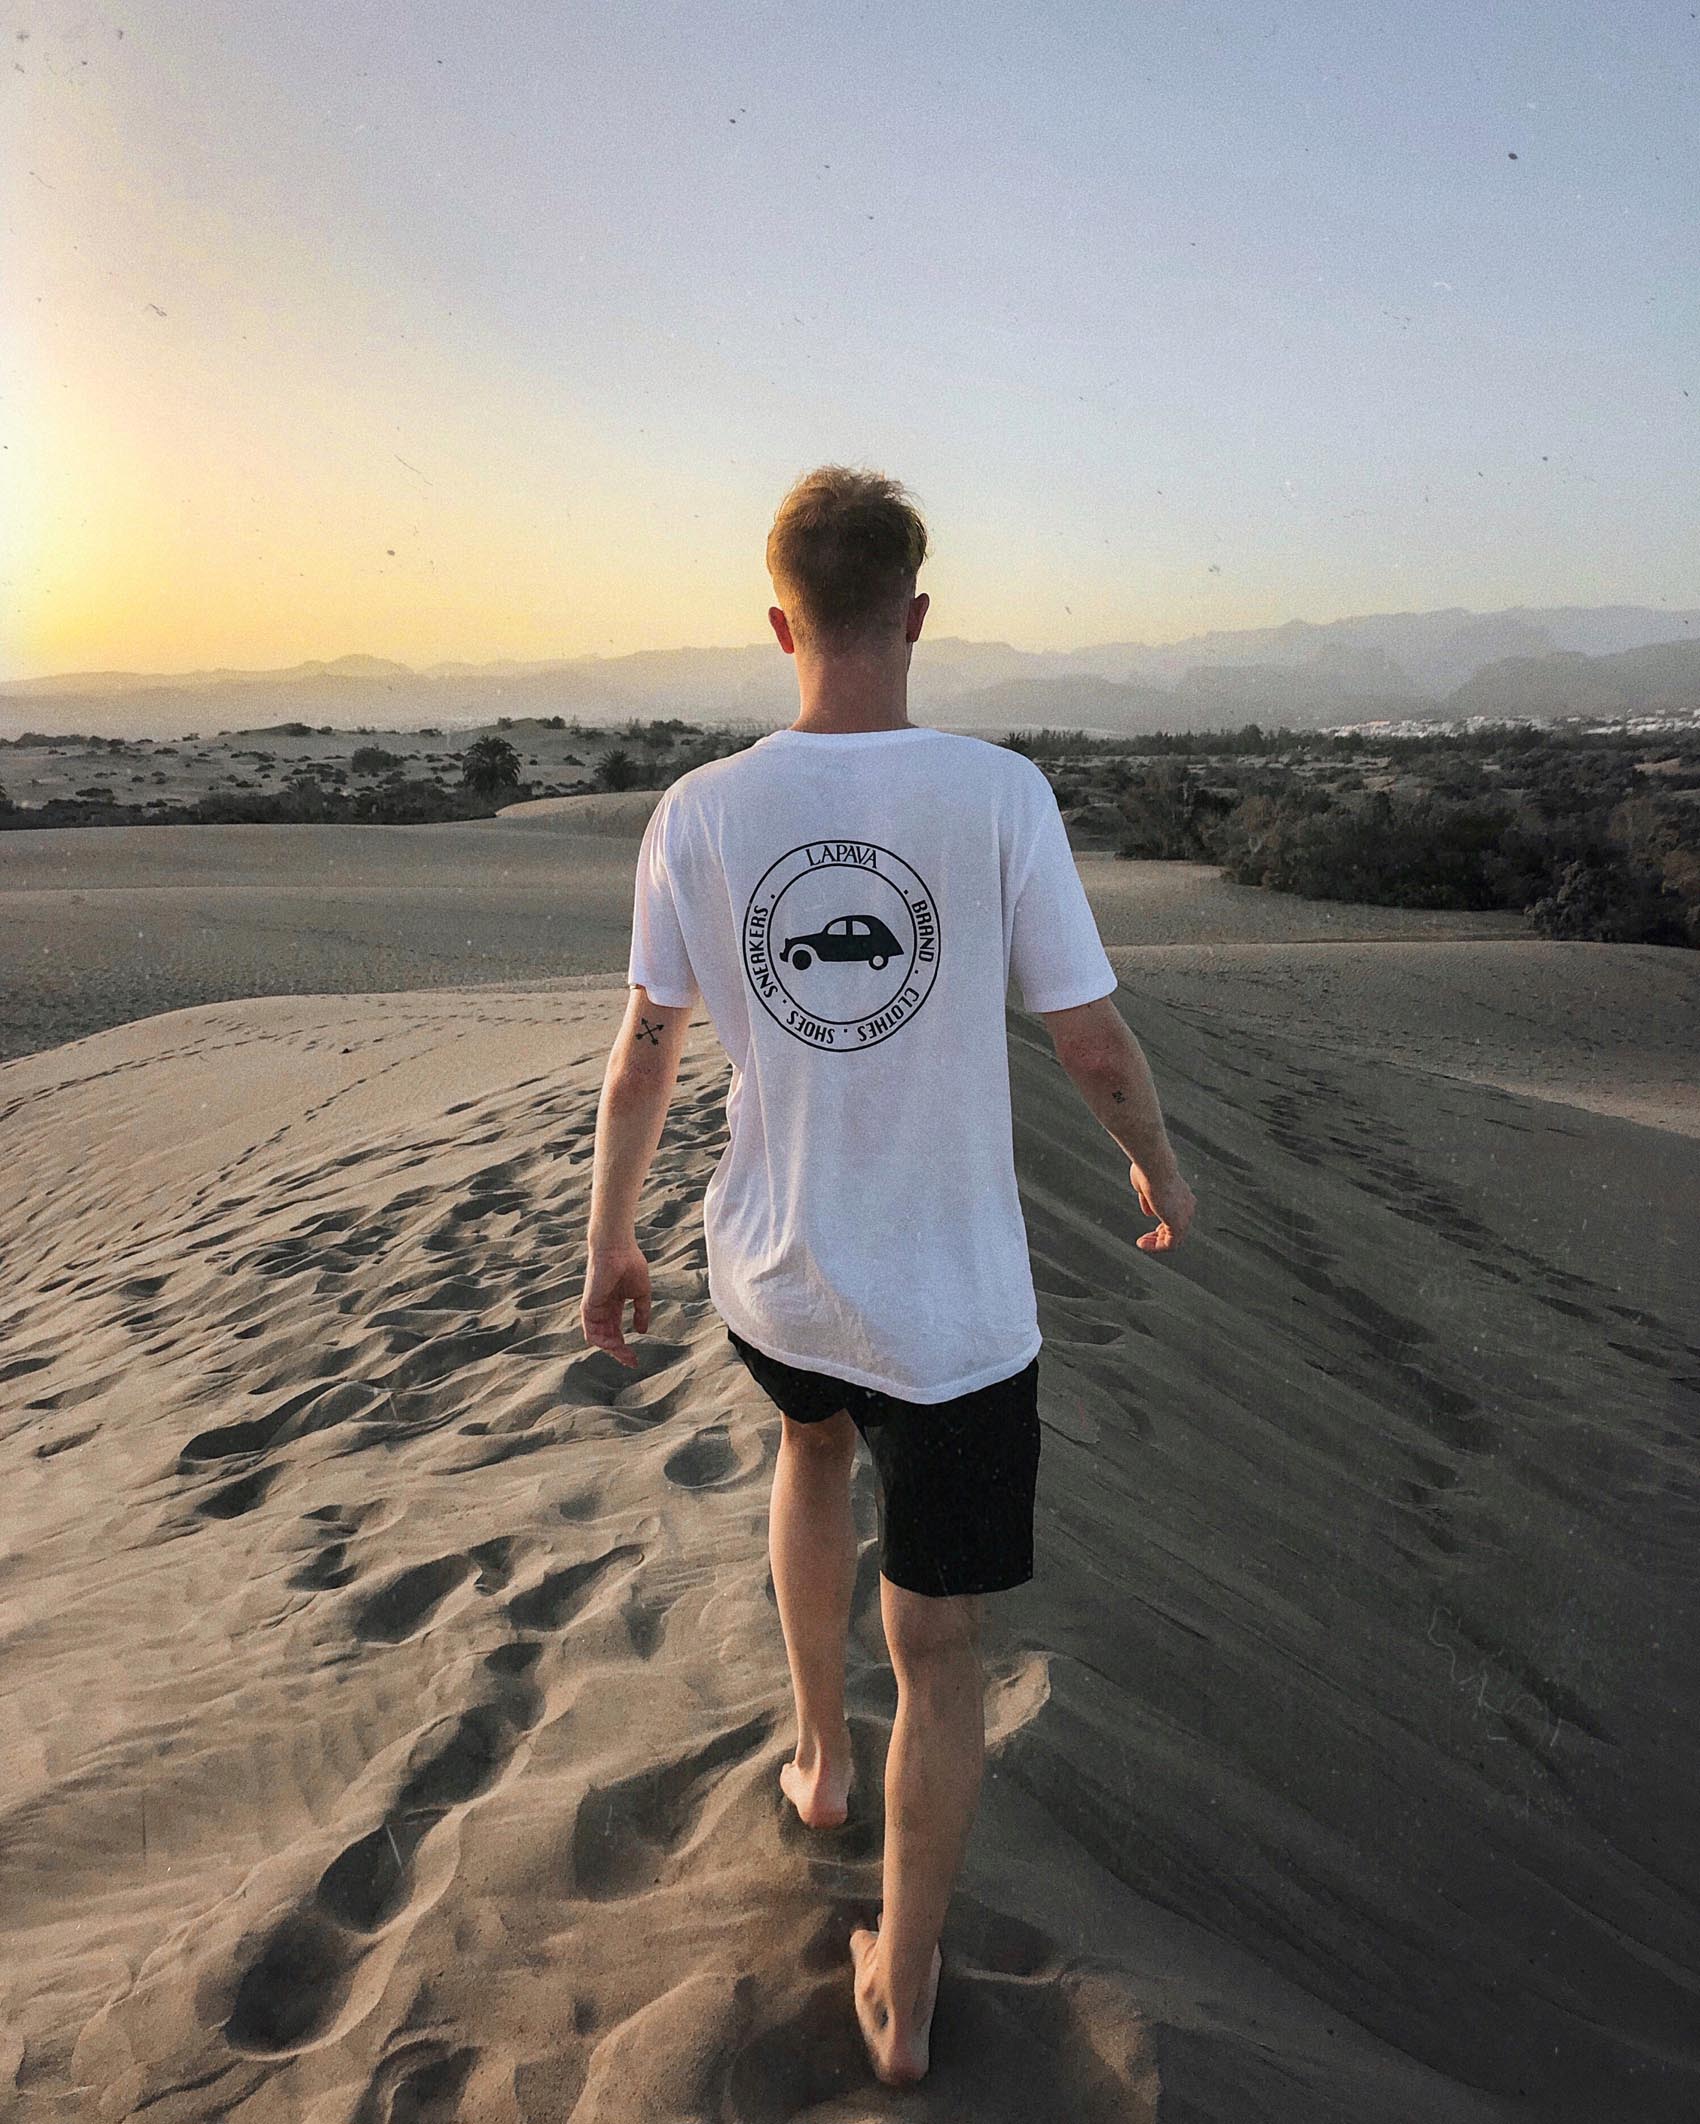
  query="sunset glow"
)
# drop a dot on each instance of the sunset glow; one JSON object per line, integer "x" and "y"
{"x": 402, "y": 332}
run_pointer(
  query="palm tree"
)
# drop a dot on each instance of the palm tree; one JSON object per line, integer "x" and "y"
{"x": 618, "y": 770}
{"x": 488, "y": 766}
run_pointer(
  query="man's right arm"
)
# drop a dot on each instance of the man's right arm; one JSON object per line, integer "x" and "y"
{"x": 1107, "y": 1066}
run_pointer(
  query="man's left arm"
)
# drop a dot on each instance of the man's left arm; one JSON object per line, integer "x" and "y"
{"x": 637, "y": 1089}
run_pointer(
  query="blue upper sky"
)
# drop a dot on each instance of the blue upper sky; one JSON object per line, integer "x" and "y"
{"x": 434, "y": 331}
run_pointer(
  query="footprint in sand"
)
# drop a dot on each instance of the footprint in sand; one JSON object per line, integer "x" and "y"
{"x": 1004, "y": 1993}
{"x": 316, "y": 1408}
{"x": 402, "y": 1606}
{"x": 495, "y": 1561}
{"x": 73, "y": 1397}
{"x": 662, "y": 2062}
{"x": 21, "y": 1367}
{"x": 294, "y": 1989}
{"x": 560, "y": 1595}
{"x": 51, "y": 1448}
{"x": 299, "y": 1981}
{"x": 505, "y": 1446}
{"x": 706, "y": 1460}
{"x": 232, "y": 1499}
{"x": 624, "y": 1833}
{"x": 420, "y": 2079}
{"x": 325, "y": 1570}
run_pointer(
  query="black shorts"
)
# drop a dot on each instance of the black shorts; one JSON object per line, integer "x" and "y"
{"x": 957, "y": 1478}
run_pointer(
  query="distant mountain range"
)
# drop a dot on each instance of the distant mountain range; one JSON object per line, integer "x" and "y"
{"x": 1561, "y": 660}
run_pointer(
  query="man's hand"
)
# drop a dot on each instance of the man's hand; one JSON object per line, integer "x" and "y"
{"x": 1165, "y": 1196}
{"x": 615, "y": 1275}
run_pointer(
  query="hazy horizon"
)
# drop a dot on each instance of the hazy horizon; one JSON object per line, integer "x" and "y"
{"x": 446, "y": 344}
{"x": 938, "y": 639}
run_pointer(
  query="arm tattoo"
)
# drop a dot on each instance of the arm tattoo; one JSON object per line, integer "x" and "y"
{"x": 1119, "y": 1097}
{"x": 649, "y": 1032}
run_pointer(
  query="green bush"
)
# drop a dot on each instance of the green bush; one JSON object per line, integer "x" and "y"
{"x": 1170, "y": 816}
{"x": 1613, "y": 901}
{"x": 1421, "y": 852}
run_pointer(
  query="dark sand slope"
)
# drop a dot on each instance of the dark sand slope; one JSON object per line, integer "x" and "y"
{"x": 394, "y": 1698}
{"x": 1612, "y": 1027}
{"x": 1398, "y": 1512}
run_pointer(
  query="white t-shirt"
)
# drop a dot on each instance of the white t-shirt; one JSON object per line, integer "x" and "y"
{"x": 850, "y": 907}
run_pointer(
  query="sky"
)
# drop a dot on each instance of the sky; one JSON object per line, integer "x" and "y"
{"x": 439, "y": 331}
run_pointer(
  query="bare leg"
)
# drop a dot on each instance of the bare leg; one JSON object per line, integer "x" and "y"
{"x": 932, "y": 1786}
{"x": 812, "y": 1551}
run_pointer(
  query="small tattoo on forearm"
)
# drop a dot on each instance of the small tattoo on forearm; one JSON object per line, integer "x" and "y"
{"x": 648, "y": 1032}
{"x": 1118, "y": 1097}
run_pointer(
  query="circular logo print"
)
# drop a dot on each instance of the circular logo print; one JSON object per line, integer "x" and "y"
{"x": 841, "y": 943}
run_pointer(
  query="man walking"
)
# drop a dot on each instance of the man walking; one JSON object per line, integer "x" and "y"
{"x": 849, "y": 898}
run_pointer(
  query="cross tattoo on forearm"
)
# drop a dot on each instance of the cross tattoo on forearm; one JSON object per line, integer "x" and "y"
{"x": 646, "y": 1031}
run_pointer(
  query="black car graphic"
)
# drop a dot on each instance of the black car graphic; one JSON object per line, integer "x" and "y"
{"x": 863, "y": 937}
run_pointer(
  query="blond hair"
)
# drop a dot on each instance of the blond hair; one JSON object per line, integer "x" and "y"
{"x": 844, "y": 551}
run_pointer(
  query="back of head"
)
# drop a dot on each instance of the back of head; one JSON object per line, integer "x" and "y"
{"x": 843, "y": 553}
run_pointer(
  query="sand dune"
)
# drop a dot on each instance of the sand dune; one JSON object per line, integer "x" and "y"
{"x": 102, "y": 925}
{"x": 395, "y": 1695}
{"x": 623, "y": 813}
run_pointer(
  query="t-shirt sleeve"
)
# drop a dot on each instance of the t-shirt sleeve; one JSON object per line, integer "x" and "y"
{"x": 1055, "y": 953}
{"x": 658, "y": 960}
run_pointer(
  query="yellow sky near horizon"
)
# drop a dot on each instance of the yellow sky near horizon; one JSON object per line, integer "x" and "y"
{"x": 214, "y": 466}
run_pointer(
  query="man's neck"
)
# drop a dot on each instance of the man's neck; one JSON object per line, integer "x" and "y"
{"x": 844, "y": 694}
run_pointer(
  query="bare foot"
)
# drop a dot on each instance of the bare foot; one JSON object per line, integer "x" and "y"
{"x": 897, "y": 2045}
{"x": 820, "y": 1793}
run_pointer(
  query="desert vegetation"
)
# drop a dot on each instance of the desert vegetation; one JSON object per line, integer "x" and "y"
{"x": 1592, "y": 834}
{"x": 237, "y": 781}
